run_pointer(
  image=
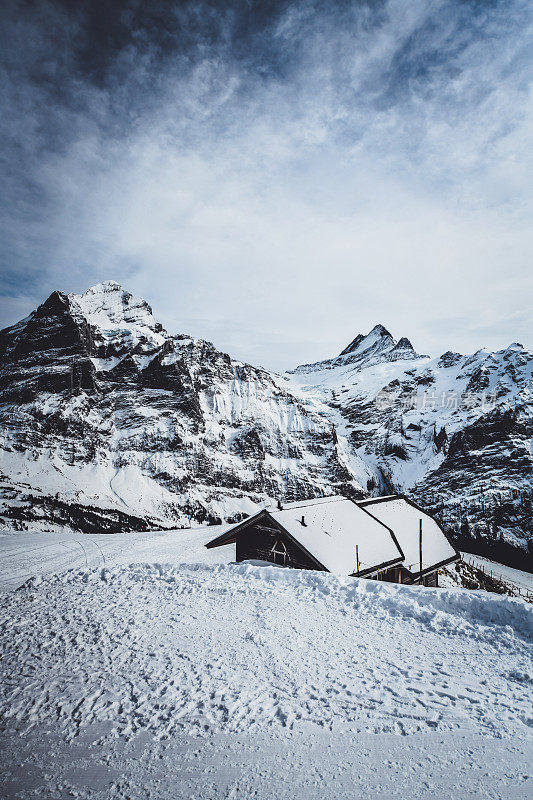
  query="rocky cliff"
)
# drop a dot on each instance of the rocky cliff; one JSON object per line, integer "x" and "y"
{"x": 110, "y": 422}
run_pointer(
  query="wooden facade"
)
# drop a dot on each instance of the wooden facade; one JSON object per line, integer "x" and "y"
{"x": 400, "y": 574}
{"x": 264, "y": 542}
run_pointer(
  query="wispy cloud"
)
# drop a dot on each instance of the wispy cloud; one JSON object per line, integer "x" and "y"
{"x": 278, "y": 178}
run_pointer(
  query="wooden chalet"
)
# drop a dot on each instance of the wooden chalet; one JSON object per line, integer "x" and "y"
{"x": 377, "y": 538}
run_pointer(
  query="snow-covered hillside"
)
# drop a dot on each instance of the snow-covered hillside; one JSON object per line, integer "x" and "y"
{"x": 109, "y": 422}
{"x": 175, "y": 679}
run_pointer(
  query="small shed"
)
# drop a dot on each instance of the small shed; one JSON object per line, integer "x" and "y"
{"x": 374, "y": 538}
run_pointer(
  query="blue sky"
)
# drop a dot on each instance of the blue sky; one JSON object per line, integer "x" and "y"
{"x": 275, "y": 177}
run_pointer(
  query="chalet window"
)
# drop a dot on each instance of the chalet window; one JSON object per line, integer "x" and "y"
{"x": 279, "y": 554}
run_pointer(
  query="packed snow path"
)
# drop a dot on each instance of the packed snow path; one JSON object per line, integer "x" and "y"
{"x": 190, "y": 653}
{"x": 25, "y": 554}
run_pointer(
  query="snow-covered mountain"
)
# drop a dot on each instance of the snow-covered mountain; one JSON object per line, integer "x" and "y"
{"x": 109, "y": 422}
{"x": 376, "y": 347}
{"x": 455, "y": 431}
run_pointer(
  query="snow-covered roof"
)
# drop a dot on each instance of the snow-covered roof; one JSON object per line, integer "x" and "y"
{"x": 304, "y": 503}
{"x": 333, "y": 527}
{"x": 404, "y": 517}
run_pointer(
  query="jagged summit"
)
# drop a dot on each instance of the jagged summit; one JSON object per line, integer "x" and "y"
{"x": 109, "y": 302}
{"x": 104, "y": 286}
{"x": 121, "y": 320}
{"x": 376, "y": 347}
{"x": 361, "y": 342}
{"x": 403, "y": 344}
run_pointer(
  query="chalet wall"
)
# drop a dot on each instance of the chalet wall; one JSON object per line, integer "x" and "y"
{"x": 404, "y": 576}
{"x": 255, "y": 543}
{"x": 392, "y": 575}
{"x": 432, "y": 579}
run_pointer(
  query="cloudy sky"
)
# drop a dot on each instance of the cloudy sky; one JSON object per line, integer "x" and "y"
{"x": 275, "y": 177}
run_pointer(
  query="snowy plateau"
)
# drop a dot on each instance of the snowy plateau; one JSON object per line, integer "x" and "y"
{"x": 141, "y": 665}
{"x": 109, "y": 423}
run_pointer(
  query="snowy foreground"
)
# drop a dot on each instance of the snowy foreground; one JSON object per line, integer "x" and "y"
{"x": 145, "y": 673}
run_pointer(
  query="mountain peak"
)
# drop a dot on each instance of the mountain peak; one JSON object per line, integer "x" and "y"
{"x": 379, "y": 335}
{"x": 116, "y": 313}
{"x": 403, "y": 344}
{"x": 106, "y": 286}
{"x": 101, "y": 289}
{"x": 110, "y": 299}
{"x": 381, "y": 330}
{"x": 376, "y": 347}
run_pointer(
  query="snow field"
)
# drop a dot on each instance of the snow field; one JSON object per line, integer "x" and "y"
{"x": 176, "y": 679}
{"x": 209, "y": 649}
{"x": 27, "y": 554}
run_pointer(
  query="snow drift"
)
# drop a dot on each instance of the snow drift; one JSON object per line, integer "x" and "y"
{"x": 236, "y": 647}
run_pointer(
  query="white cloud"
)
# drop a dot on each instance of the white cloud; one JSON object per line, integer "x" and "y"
{"x": 382, "y": 175}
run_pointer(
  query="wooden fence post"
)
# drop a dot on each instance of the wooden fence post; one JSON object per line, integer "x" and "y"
{"x": 420, "y": 549}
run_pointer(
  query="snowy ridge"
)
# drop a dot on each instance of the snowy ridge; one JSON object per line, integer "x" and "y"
{"x": 374, "y": 348}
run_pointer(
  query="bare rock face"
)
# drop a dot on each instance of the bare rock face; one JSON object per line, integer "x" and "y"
{"x": 48, "y": 352}
{"x": 108, "y": 422}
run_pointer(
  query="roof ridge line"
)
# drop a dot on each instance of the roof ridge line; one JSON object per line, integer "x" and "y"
{"x": 316, "y": 501}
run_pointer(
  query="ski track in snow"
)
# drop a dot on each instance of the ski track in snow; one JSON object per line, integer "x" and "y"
{"x": 24, "y": 555}
{"x": 280, "y": 660}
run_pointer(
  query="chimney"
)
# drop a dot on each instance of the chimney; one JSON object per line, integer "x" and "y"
{"x": 303, "y": 522}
